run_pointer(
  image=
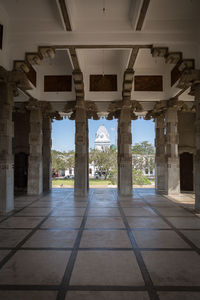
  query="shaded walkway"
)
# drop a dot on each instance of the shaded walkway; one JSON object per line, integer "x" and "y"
{"x": 144, "y": 247}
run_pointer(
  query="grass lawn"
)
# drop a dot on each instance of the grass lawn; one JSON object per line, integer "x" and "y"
{"x": 71, "y": 182}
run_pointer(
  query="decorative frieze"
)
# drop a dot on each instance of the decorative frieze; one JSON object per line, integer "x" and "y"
{"x": 115, "y": 108}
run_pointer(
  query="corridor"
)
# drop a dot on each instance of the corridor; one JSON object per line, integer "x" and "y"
{"x": 57, "y": 247}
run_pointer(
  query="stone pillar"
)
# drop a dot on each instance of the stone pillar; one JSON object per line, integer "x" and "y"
{"x": 160, "y": 154}
{"x": 35, "y": 169}
{"x": 172, "y": 182}
{"x": 6, "y": 156}
{"x": 81, "y": 151}
{"x": 197, "y": 156}
{"x": 125, "y": 151}
{"x": 118, "y": 155}
{"x": 47, "y": 143}
{"x": 87, "y": 141}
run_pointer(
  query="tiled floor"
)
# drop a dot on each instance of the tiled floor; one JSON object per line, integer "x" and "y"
{"x": 144, "y": 247}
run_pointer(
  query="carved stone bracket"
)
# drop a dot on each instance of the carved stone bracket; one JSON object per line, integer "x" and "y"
{"x": 55, "y": 115}
{"x": 116, "y": 107}
{"x": 189, "y": 78}
{"x": 17, "y": 79}
{"x": 89, "y": 106}
{"x": 162, "y": 106}
{"x": 91, "y": 110}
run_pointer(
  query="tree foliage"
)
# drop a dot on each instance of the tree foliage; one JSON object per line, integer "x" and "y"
{"x": 142, "y": 159}
{"x": 62, "y": 160}
{"x": 143, "y": 148}
{"x": 139, "y": 178}
{"x": 105, "y": 161}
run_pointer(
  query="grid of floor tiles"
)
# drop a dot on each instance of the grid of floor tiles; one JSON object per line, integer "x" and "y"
{"x": 60, "y": 248}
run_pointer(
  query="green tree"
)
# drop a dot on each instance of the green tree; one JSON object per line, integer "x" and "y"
{"x": 105, "y": 161}
{"x": 141, "y": 160}
{"x": 143, "y": 148}
{"x": 58, "y": 161}
{"x": 139, "y": 178}
{"x": 70, "y": 159}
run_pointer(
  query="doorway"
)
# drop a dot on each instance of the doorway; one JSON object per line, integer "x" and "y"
{"x": 21, "y": 172}
{"x": 186, "y": 171}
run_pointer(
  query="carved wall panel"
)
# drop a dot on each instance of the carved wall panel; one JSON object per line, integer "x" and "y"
{"x": 151, "y": 83}
{"x": 103, "y": 83}
{"x": 58, "y": 83}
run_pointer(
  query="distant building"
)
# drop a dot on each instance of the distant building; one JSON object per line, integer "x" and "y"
{"x": 144, "y": 163}
{"x": 102, "y": 139}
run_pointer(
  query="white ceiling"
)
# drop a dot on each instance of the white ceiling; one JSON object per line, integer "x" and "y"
{"x": 33, "y": 23}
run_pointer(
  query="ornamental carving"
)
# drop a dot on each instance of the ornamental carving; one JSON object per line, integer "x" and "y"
{"x": 115, "y": 108}
{"x": 162, "y": 106}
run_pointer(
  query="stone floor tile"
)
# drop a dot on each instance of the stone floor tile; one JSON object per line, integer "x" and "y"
{"x": 173, "y": 267}
{"x": 62, "y": 222}
{"x": 73, "y": 204}
{"x": 106, "y": 268}
{"x": 147, "y": 222}
{"x": 104, "y": 222}
{"x": 167, "y": 204}
{"x": 193, "y": 235}
{"x": 35, "y": 267}
{"x": 179, "y": 295}
{"x": 44, "y": 204}
{"x": 85, "y": 295}
{"x": 28, "y": 295}
{"x": 134, "y": 203}
{"x": 21, "y": 222}
{"x": 104, "y": 204}
{"x": 3, "y": 253}
{"x": 105, "y": 238}
{"x": 10, "y": 238}
{"x": 52, "y": 238}
{"x": 185, "y": 222}
{"x": 159, "y": 239}
{"x": 35, "y": 211}
{"x": 139, "y": 211}
{"x": 173, "y": 211}
{"x": 104, "y": 212}
{"x": 21, "y": 204}
{"x": 75, "y": 211}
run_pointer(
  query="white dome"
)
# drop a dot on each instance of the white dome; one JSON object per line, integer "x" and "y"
{"x": 102, "y": 135}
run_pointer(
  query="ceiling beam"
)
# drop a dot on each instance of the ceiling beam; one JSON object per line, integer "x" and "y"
{"x": 129, "y": 74}
{"x": 133, "y": 57}
{"x": 64, "y": 14}
{"x": 74, "y": 58}
{"x": 98, "y": 46}
{"x": 142, "y": 14}
{"x": 77, "y": 74}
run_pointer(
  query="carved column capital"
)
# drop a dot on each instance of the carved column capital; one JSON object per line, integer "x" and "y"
{"x": 189, "y": 78}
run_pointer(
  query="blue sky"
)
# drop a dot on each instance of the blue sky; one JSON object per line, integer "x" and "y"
{"x": 63, "y": 132}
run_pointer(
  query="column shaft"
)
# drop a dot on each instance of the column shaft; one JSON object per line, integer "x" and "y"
{"x": 35, "y": 169}
{"x": 6, "y": 156}
{"x": 124, "y": 153}
{"x": 172, "y": 184}
{"x": 160, "y": 154}
{"x": 81, "y": 148}
{"x": 197, "y": 156}
{"x": 47, "y": 143}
